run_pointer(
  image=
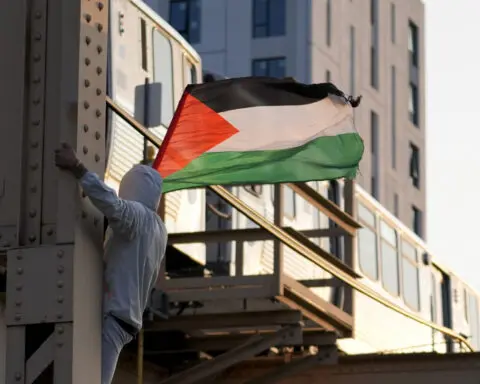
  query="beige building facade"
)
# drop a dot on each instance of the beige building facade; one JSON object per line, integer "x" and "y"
{"x": 373, "y": 48}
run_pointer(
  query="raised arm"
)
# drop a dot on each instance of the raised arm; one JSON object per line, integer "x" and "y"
{"x": 122, "y": 215}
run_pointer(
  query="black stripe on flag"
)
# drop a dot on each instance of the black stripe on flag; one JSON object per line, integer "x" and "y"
{"x": 247, "y": 92}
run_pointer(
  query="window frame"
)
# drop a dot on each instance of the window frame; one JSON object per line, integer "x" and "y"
{"x": 186, "y": 33}
{"x": 384, "y": 241}
{"x": 415, "y": 263}
{"x": 414, "y": 165}
{"x": 268, "y": 61}
{"x": 413, "y": 104}
{"x": 267, "y": 23}
{"x": 167, "y": 38}
{"x": 372, "y": 226}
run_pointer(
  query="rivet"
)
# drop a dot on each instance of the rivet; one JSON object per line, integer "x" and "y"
{"x": 59, "y": 283}
{"x": 60, "y": 253}
{"x": 88, "y": 40}
{"x": 36, "y": 79}
{"x": 19, "y": 287}
{"x": 38, "y": 15}
{"x": 86, "y": 105}
{"x": 59, "y": 315}
{"x": 36, "y": 122}
{"x": 18, "y": 376}
{"x": 32, "y": 238}
{"x": 19, "y": 257}
{"x": 36, "y": 101}
{"x": 18, "y": 303}
{"x": 95, "y": 221}
{"x": 37, "y": 57}
{"x": 34, "y": 166}
{"x": 33, "y": 189}
{"x": 87, "y": 61}
{"x": 97, "y": 135}
{"x": 97, "y": 158}
{"x": 98, "y": 113}
{"x": 99, "y": 91}
{"x": 88, "y": 18}
{"x": 32, "y": 213}
{"x": 84, "y": 215}
{"x": 38, "y": 36}
{"x": 99, "y": 49}
{"x": 85, "y": 128}
{"x": 60, "y": 269}
{"x": 99, "y": 27}
{"x": 87, "y": 83}
{"x": 60, "y": 344}
{"x": 99, "y": 70}
{"x": 100, "y": 6}
{"x": 19, "y": 271}
{"x": 35, "y": 144}
{"x": 49, "y": 232}
{"x": 85, "y": 149}
{"x": 60, "y": 330}
{"x": 60, "y": 299}
{"x": 18, "y": 317}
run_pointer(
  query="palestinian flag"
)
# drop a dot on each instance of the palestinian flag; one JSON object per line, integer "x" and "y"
{"x": 259, "y": 131}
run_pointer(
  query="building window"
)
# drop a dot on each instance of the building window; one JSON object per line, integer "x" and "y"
{"x": 393, "y": 111}
{"x": 328, "y": 24}
{"x": 413, "y": 104}
{"x": 374, "y": 43}
{"x": 410, "y": 282}
{"x": 389, "y": 254}
{"x": 143, "y": 38}
{"x": 328, "y": 76}
{"x": 374, "y": 190}
{"x": 417, "y": 226}
{"x": 465, "y": 304}
{"x": 352, "y": 60}
{"x": 273, "y": 67}
{"x": 367, "y": 243}
{"x": 269, "y": 18}
{"x": 413, "y": 43}
{"x": 185, "y": 18}
{"x": 163, "y": 74}
{"x": 393, "y": 23}
{"x": 415, "y": 165}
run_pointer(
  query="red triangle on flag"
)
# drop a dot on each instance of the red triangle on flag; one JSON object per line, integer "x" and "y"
{"x": 195, "y": 129}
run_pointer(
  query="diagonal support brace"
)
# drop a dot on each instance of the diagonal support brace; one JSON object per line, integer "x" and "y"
{"x": 250, "y": 348}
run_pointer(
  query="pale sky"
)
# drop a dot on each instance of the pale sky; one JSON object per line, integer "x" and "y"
{"x": 453, "y": 134}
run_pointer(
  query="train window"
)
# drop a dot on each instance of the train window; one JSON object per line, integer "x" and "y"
{"x": 189, "y": 72}
{"x": 163, "y": 74}
{"x": 367, "y": 243}
{"x": 474, "y": 320}
{"x": 389, "y": 255}
{"x": 289, "y": 206}
{"x": 365, "y": 215}
{"x": 410, "y": 283}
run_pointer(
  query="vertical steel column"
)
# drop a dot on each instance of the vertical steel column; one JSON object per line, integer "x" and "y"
{"x": 350, "y": 244}
{"x": 278, "y": 250}
{"x": 53, "y": 89}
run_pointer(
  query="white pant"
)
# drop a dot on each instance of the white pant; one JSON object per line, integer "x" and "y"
{"x": 114, "y": 338}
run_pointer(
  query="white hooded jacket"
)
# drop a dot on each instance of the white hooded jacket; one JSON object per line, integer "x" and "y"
{"x": 135, "y": 241}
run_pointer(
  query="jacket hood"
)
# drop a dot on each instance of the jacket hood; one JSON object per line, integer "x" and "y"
{"x": 142, "y": 183}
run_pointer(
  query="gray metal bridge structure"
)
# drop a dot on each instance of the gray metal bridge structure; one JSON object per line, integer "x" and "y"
{"x": 53, "y": 76}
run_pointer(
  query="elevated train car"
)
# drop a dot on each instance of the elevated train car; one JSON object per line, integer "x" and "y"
{"x": 149, "y": 66}
{"x": 391, "y": 259}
